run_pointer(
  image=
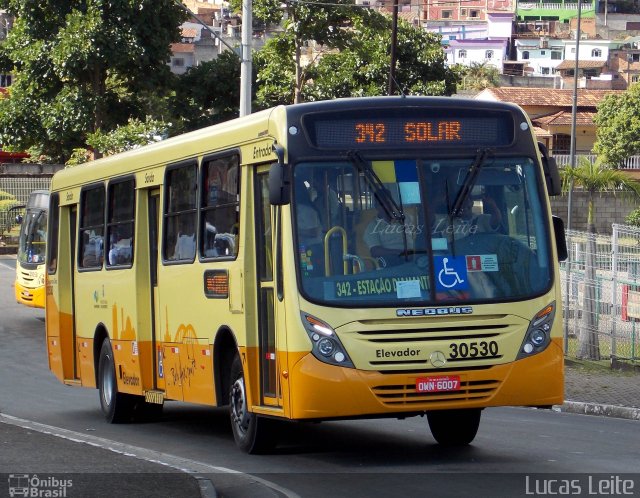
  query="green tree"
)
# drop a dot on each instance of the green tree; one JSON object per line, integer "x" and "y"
{"x": 594, "y": 178}
{"x": 135, "y": 133}
{"x": 322, "y": 23}
{"x": 618, "y": 127}
{"x": 360, "y": 67}
{"x": 480, "y": 75}
{"x": 208, "y": 93}
{"x": 82, "y": 66}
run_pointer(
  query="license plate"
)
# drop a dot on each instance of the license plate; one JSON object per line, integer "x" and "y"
{"x": 438, "y": 384}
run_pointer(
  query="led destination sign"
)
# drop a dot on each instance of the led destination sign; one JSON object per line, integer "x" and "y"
{"x": 426, "y": 128}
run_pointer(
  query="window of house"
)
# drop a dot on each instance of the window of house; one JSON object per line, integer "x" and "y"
{"x": 5, "y": 80}
{"x": 177, "y": 62}
{"x": 543, "y": 52}
{"x": 462, "y": 54}
{"x": 91, "y": 246}
{"x": 634, "y": 58}
{"x": 447, "y": 14}
{"x": 120, "y": 223}
{"x": 596, "y": 52}
{"x": 181, "y": 187}
{"x": 220, "y": 206}
{"x": 525, "y": 55}
{"x": 561, "y": 143}
{"x": 635, "y": 78}
{"x": 463, "y": 12}
{"x": 488, "y": 54}
{"x": 556, "y": 55}
{"x": 474, "y": 13}
{"x": 544, "y": 70}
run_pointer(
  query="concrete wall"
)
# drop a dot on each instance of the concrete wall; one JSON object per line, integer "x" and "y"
{"x": 609, "y": 209}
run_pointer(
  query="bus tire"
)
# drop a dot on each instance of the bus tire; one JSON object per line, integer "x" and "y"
{"x": 117, "y": 407}
{"x": 251, "y": 433}
{"x": 454, "y": 427}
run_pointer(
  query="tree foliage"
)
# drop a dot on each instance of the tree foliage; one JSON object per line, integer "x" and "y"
{"x": 359, "y": 66}
{"x": 479, "y": 75}
{"x": 81, "y": 66}
{"x": 135, "y": 133}
{"x": 208, "y": 93}
{"x": 618, "y": 127}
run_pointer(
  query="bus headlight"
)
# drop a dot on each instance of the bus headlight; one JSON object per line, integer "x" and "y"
{"x": 326, "y": 345}
{"x": 538, "y": 335}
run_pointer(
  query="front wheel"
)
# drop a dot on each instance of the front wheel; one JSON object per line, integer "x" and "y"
{"x": 454, "y": 427}
{"x": 253, "y": 434}
{"x": 117, "y": 407}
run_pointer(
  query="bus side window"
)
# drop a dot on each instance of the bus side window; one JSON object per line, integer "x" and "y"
{"x": 120, "y": 225}
{"x": 179, "y": 239}
{"x": 53, "y": 229}
{"x": 220, "y": 206}
{"x": 92, "y": 227}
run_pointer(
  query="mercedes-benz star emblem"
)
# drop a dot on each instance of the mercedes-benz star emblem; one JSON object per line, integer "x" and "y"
{"x": 437, "y": 359}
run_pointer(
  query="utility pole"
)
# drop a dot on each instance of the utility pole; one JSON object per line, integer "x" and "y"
{"x": 245, "y": 67}
{"x": 572, "y": 164}
{"x": 574, "y": 113}
{"x": 394, "y": 43}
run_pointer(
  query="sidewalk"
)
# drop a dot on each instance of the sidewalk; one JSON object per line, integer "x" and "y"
{"x": 598, "y": 390}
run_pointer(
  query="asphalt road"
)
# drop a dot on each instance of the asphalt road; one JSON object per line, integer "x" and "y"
{"x": 516, "y": 451}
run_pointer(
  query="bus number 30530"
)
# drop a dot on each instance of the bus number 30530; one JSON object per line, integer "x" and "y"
{"x": 482, "y": 349}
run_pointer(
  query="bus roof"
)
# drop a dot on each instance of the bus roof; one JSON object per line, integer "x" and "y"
{"x": 256, "y": 126}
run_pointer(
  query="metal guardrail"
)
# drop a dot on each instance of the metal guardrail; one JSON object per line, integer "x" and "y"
{"x": 601, "y": 293}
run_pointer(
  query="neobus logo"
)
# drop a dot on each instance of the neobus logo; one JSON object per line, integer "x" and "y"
{"x": 449, "y": 310}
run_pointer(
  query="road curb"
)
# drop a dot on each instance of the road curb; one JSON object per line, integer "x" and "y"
{"x": 601, "y": 410}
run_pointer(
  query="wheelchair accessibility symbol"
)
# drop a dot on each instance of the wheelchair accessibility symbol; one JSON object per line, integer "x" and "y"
{"x": 451, "y": 273}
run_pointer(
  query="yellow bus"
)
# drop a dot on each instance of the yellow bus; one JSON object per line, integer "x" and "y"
{"x": 373, "y": 257}
{"x": 30, "y": 269}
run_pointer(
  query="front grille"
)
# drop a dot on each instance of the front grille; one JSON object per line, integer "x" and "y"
{"x": 393, "y": 345}
{"x": 433, "y": 333}
{"x": 406, "y": 395}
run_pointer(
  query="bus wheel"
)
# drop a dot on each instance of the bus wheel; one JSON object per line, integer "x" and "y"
{"x": 117, "y": 407}
{"x": 251, "y": 432}
{"x": 454, "y": 427}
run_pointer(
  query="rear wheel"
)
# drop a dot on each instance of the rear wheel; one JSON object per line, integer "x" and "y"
{"x": 454, "y": 427}
{"x": 253, "y": 434}
{"x": 117, "y": 407}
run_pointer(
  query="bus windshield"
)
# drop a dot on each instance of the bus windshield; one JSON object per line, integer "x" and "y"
{"x": 421, "y": 232}
{"x": 33, "y": 236}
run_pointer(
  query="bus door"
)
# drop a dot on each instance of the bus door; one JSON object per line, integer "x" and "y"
{"x": 153, "y": 208}
{"x": 60, "y": 308}
{"x": 271, "y": 345}
{"x": 73, "y": 220}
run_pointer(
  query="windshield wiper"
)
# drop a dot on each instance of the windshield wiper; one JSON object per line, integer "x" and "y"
{"x": 469, "y": 182}
{"x": 380, "y": 192}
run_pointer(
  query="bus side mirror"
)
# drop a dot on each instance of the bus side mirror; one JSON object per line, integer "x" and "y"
{"x": 279, "y": 184}
{"x": 19, "y": 219}
{"x": 551, "y": 173}
{"x": 561, "y": 240}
